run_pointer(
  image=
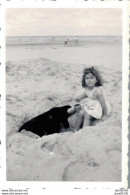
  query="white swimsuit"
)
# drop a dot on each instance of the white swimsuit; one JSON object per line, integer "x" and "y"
{"x": 93, "y": 106}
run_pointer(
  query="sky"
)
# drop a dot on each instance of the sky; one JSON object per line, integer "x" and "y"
{"x": 63, "y": 21}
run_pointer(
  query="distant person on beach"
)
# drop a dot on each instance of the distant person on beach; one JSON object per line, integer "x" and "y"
{"x": 96, "y": 106}
{"x": 76, "y": 40}
{"x": 66, "y": 42}
{"x": 53, "y": 38}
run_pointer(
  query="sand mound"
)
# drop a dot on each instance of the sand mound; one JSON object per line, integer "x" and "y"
{"x": 91, "y": 154}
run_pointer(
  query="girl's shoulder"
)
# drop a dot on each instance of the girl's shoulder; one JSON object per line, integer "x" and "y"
{"x": 98, "y": 90}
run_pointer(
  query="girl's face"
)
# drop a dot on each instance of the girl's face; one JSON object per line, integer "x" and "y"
{"x": 90, "y": 80}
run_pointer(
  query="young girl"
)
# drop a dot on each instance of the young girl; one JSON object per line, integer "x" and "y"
{"x": 96, "y": 106}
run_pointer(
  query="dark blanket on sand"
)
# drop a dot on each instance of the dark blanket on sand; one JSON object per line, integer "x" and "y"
{"x": 49, "y": 122}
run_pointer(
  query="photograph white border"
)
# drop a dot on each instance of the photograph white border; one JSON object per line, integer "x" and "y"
{"x": 125, "y": 94}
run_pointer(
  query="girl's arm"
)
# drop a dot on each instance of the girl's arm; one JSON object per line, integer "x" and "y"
{"x": 74, "y": 109}
{"x": 82, "y": 96}
{"x": 100, "y": 96}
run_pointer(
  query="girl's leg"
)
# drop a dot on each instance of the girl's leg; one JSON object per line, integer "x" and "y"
{"x": 80, "y": 119}
{"x": 87, "y": 119}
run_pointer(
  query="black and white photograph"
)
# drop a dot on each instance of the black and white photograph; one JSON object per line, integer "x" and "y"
{"x": 64, "y": 94}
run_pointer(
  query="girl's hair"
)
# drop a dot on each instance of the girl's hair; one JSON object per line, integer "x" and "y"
{"x": 96, "y": 73}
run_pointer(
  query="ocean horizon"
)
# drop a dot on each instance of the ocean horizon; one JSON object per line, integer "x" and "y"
{"x": 48, "y": 40}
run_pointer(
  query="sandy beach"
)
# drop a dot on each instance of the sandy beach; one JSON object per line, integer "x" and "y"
{"x": 39, "y": 77}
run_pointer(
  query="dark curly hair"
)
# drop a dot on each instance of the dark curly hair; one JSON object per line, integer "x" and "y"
{"x": 96, "y": 73}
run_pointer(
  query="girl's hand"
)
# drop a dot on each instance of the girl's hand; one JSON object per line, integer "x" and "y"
{"x": 104, "y": 117}
{"x": 77, "y": 108}
{"x": 82, "y": 96}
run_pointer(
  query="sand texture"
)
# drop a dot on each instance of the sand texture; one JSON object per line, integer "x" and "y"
{"x": 51, "y": 77}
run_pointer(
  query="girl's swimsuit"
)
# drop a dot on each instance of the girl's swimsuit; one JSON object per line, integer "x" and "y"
{"x": 93, "y": 106}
